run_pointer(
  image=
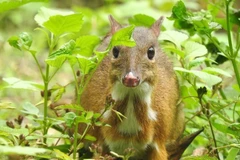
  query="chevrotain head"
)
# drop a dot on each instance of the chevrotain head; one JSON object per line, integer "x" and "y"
{"x": 132, "y": 66}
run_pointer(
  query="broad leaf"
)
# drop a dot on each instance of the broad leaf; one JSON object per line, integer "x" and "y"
{"x": 89, "y": 115}
{"x": 205, "y": 157}
{"x": 207, "y": 78}
{"x": 85, "y": 64}
{"x": 60, "y": 155}
{"x": 64, "y": 24}
{"x": 15, "y": 131}
{"x": 57, "y": 61}
{"x": 29, "y": 108}
{"x": 6, "y": 5}
{"x": 194, "y": 50}
{"x": 69, "y": 118}
{"x": 204, "y": 77}
{"x": 16, "y": 83}
{"x": 71, "y": 107}
{"x": 123, "y": 37}
{"x": 225, "y": 129}
{"x": 22, "y": 41}
{"x": 216, "y": 71}
{"x": 86, "y": 45}
{"x": 57, "y": 58}
{"x": 45, "y": 13}
{"x": 60, "y": 93}
{"x": 22, "y": 150}
{"x": 175, "y": 37}
{"x": 67, "y": 48}
{"x": 233, "y": 154}
{"x": 14, "y": 42}
{"x": 179, "y": 11}
{"x": 90, "y": 138}
{"x": 142, "y": 20}
{"x": 6, "y": 105}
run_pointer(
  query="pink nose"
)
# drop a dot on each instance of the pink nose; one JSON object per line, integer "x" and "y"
{"x": 130, "y": 80}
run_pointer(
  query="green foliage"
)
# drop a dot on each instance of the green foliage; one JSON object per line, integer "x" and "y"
{"x": 142, "y": 20}
{"x": 6, "y": 5}
{"x": 59, "y": 24}
{"x": 204, "y": 88}
{"x": 203, "y": 57}
{"x": 22, "y": 150}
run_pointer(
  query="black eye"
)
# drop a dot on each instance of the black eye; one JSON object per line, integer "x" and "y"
{"x": 115, "y": 52}
{"x": 151, "y": 53}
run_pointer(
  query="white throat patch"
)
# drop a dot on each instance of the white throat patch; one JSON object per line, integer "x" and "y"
{"x": 130, "y": 125}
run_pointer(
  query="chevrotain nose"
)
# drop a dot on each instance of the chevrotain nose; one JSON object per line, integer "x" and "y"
{"x": 130, "y": 80}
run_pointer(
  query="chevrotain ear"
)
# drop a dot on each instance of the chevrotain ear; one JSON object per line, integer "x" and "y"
{"x": 156, "y": 26}
{"x": 114, "y": 24}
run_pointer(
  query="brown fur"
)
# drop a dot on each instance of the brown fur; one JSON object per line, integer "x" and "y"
{"x": 158, "y": 73}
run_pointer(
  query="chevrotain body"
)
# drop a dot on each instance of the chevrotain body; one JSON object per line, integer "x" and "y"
{"x": 142, "y": 82}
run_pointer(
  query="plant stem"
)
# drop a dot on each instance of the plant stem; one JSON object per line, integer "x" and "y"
{"x": 232, "y": 54}
{"x": 229, "y": 29}
{"x": 222, "y": 93}
{"x": 235, "y": 67}
{"x": 46, "y": 81}
{"x": 208, "y": 115}
{"x": 39, "y": 67}
{"x": 214, "y": 138}
{"x": 75, "y": 141}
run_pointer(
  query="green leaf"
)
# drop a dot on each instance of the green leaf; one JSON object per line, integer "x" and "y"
{"x": 196, "y": 62}
{"x": 89, "y": 115}
{"x": 6, "y": 5}
{"x": 212, "y": 70}
{"x": 22, "y": 41}
{"x": 225, "y": 129}
{"x": 6, "y": 105}
{"x": 194, "y": 50}
{"x": 45, "y": 13}
{"x": 22, "y": 150}
{"x": 16, "y": 83}
{"x": 71, "y": 107}
{"x": 26, "y": 39}
{"x": 207, "y": 78}
{"x": 85, "y": 64}
{"x": 59, "y": 94}
{"x": 82, "y": 119}
{"x": 59, "y": 24}
{"x": 101, "y": 55}
{"x": 175, "y": 37}
{"x": 142, "y": 20}
{"x": 13, "y": 41}
{"x": 204, "y": 77}
{"x": 205, "y": 157}
{"x": 15, "y": 131}
{"x": 63, "y": 147}
{"x": 57, "y": 61}
{"x": 61, "y": 155}
{"x": 29, "y": 108}
{"x": 123, "y": 37}
{"x": 234, "y": 18}
{"x": 172, "y": 49}
{"x": 86, "y": 45}
{"x": 232, "y": 154}
{"x": 179, "y": 11}
{"x": 57, "y": 58}
{"x": 67, "y": 48}
{"x": 69, "y": 118}
{"x": 90, "y": 138}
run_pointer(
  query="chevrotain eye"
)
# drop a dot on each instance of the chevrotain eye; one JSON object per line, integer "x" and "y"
{"x": 115, "y": 52}
{"x": 151, "y": 53}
